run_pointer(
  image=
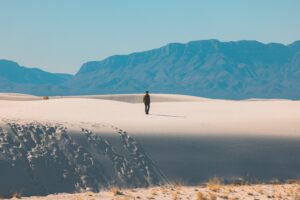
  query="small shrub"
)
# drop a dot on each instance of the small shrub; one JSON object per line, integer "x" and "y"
{"x": 214, "y": 188}
{"x": 214, "y": 184}
{"x": 215, "y": 181}
{"x": 293, "y": 181}
{"x": 154, "y": 192}
{"x": 274, "y": 181}
{"x": 199, "y": 196}
{"x": 297, "y": 194}
{"x": 175, "y": 196}
{"x": 16, "y": 196}
{"x": 115, "y": 191}
{"x": 212, "y": 196}
{"x": 79, "y": 198}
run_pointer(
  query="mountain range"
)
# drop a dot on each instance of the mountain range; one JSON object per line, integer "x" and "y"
{"x": 208, "y": 68}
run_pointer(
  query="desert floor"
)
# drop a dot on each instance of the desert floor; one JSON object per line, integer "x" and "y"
{"x": 83, "y": 143}
{"x": 209, "y": 192}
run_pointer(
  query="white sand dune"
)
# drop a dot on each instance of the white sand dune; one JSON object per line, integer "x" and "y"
{"x": 92, "y": 142}
{"x": 136, "y": 98}
{"x": 18, "y": 97}
{"x": 129, "y": 98}
{"x": 190, "y": 114}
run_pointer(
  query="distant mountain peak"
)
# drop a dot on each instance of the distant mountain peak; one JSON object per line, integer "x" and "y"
{"x": 208, "y": 68}
{"x": 211, "y": 68}
{"x": 16, "y": 78}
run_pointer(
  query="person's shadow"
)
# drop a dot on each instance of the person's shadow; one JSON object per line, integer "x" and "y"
{"x": 161, "y": 115}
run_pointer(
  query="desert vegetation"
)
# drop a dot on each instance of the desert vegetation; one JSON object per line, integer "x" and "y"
{"x": 209, "y": 191}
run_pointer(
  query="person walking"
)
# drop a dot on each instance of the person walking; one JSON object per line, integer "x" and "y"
{"x": 146, "y": 101}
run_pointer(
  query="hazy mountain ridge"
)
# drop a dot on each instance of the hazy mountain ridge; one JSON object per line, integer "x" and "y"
{"x": 13, "y": 72}
{"x": 210, "y": 68}
{"x": 16, "y": 78}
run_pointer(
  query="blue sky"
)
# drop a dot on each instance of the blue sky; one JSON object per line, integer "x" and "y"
{"x": 60, "y": 35}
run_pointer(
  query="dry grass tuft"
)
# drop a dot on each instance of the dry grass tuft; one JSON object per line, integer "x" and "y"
{"x": 16, "y": 196}
{"x": 115, "y": 191}
{"x": 293, "y": 181}
{"x": 90, "y": 194}
{"x": 297, "y": 194}
{"x": 178, "y": 183}
{"x": 214, "y": 188}
{"x": 274, "y": 181}
{"x": 79, "y": 198}
{"x": 259, "y": 190}
{"x": 215, "y": 181}
{"x": 214, "y": 184}
{"x": 212, "y": 196}
{"x": 154, "y": 193}
{"x": 199, "y": 196}
{"x": 175, "y": 196}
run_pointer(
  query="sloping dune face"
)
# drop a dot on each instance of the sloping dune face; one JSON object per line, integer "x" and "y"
{"x": 40, "y": 159}
{"x": 90, "y": 143}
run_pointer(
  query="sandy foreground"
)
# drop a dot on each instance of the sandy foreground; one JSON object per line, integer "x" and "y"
{"x": 210, "y": 192}
{"x": 91, "y": 143}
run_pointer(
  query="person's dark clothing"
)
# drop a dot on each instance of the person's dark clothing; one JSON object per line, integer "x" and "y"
{"x": 146, "y": 101}
{"x": 147, "y": 108}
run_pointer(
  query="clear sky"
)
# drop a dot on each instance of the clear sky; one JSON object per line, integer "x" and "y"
{"x": 60, "y": 35}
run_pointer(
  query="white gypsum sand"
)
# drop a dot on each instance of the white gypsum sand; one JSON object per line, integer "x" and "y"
{"x": 89, "y": 143}
{"x": 190, "y": 115}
